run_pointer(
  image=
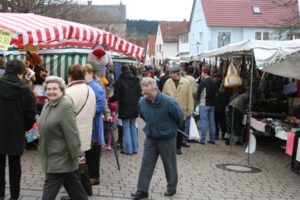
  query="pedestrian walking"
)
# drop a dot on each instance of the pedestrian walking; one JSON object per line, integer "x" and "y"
{"x": 83, "y": 99}
{"x": 194, "y": 85}
{"x": 127, "y": 92}
{"x": 221, "y": 101}
{"x": 59, "y": 144}
{"x": 207, "y": 94}
{"x": 93, "y": 155}
{"x": 180, "y": 89}
{"x": 163, "y": 117}
{"x": 17, "y": 115}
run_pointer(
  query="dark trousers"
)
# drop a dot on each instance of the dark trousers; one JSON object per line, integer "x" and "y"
{"x": 120, "y": 136}
{"x": 166, "y": 149}
{"x": 70, "y": 181}
{"x": 180, "y": 136}
{"x": 93, "y": 160}
{"x": 15, "y": 172}
{"x": 234, "y": 125}
{"x": 220, "y": 118}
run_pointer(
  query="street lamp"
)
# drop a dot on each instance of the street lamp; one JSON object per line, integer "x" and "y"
{"x": 198, "y": 46}
{"x": 223, "y": 38}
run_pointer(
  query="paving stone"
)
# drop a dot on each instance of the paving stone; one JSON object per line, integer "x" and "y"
{"x": 198, "y": 176}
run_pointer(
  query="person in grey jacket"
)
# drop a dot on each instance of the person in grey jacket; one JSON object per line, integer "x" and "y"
{"x": 59, "y": 144}
{"x": 163, "y": 117}
{"x": 237, "y": 108}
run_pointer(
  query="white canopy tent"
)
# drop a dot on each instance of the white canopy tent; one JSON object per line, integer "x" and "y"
{"x": 276, "y": 57}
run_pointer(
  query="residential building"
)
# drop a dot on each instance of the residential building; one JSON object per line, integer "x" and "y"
{"x": 215, "y": 23}
{"x": 166, "y": 44}
{"x": 183, "y": 45}
{"x": 111, "y": 18}
{"x": 150, "y": 50}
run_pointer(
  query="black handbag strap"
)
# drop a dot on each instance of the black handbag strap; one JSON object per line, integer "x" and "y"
{"x": 87, "y": 96}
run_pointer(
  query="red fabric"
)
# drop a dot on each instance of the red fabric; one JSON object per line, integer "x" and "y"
{"x": 298, "y": 83}
{"x": 99, "y": 53}
{"x": 290, "y": 144}
{"x": 113, "y": 108}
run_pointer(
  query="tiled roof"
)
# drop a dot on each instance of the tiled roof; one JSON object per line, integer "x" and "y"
{"x": 171, "y": 29}
{"x": 235, "y": 13}
{"x": 151, "y": 43}
{"x": 112, "y": 13}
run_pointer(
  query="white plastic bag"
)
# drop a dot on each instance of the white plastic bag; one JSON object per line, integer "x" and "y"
{"x": 193, "y": 134}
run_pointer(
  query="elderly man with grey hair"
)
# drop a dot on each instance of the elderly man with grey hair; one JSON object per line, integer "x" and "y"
{"x": 163, "y": 116}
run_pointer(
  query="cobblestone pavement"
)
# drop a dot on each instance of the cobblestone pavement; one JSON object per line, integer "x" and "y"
{"x": 199, "y": 178}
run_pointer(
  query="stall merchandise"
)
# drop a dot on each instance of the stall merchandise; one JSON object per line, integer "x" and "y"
{"x": 276, "y": 57}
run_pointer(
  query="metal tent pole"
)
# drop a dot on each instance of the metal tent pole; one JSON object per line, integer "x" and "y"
{"x": 250, "y": 106}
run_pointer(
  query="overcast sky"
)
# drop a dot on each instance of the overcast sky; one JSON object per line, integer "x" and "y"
{"x": 170, "y": 10}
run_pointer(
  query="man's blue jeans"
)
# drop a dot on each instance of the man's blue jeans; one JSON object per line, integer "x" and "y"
{"x": 130, "y": 138}
{"x": 207, "y": 113}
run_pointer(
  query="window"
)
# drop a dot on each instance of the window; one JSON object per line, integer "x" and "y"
{"x": 160, "y": 48}
{"x": 258, "y": 35}
{"x": 224, "y": 38}
{"x": 262, "y": 35}
{"x": 265, "y": 36}
{"x": 256, "y": 9}
{"x": 293, "y": 36}
{"x": 184, "y": 38}
{"x": 201, "y": 37}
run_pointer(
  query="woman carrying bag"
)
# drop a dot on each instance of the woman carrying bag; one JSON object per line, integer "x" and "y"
{"x": 59, "y": 143}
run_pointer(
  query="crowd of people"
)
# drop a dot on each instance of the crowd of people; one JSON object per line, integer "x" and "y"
{"x": 77, "y": 116}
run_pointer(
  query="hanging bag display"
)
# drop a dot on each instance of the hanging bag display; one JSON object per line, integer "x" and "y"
{"x": 232, "y": 79}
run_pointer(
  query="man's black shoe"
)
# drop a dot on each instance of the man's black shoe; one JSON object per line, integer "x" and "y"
{"x": 169, "y": 194}
{"x": 178, "y": 151}
{"x": 139, "y": 195}
{"x": 227, "y": 141}
{"x": 185, "y": 144}
{"x": 65, "y": 198}
{"x": 210, "y": 142}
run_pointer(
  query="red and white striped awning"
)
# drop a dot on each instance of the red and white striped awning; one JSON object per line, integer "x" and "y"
{"x": 49, "y": 32}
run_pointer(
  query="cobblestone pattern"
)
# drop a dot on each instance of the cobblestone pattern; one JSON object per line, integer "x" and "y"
{"x": 198, "y": 176}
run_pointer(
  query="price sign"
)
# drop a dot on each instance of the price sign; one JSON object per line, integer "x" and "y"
{"x": 5, "y": 38}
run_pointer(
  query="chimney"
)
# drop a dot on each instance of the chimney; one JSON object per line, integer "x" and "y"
{"x": 90, "y": 4}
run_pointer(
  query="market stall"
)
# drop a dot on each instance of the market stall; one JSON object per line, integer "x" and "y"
{"x": 276, "y": 57}
{"x": 51, "y": 33}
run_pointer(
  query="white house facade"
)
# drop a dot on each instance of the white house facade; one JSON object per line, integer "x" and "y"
{"x": 166, "y": 44}
{"x": 208, "y": 30}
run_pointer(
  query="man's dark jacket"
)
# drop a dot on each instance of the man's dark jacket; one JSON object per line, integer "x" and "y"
{"x": 127, "y": 91}
{"x": 207, "y": 92}
{"x": 163, "y": 116}
{"x": 17, "y": 114}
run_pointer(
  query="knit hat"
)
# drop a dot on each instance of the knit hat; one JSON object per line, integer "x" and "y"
{"x": 174, "y": 68}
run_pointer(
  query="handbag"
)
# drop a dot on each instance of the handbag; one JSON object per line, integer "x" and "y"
{"x": 193, "y": 134}
{"x": 84, "y": 176}
{"x": 232, "y": 79}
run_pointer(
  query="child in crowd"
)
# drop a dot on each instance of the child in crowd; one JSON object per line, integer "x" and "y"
{"x": 109, "y": 120}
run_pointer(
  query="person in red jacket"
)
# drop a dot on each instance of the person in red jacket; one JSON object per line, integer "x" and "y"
{"x": 108, "y": 121}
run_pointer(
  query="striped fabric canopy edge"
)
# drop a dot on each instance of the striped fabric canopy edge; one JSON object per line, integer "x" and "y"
{"x": 54, "y": 33}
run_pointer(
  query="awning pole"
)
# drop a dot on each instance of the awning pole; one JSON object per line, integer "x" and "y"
{"x": 250, "y": 106}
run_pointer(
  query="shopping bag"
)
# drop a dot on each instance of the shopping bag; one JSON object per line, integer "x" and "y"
{"x": 193, "y": 134}
{"x": 232, "y": 79}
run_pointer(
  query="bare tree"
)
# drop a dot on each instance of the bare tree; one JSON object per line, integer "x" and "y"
{"x": 51, "y": 8}
{"x": 289, "y": 24}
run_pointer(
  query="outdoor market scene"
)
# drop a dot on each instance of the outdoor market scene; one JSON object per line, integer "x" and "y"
{"x": 140, "y": 99}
